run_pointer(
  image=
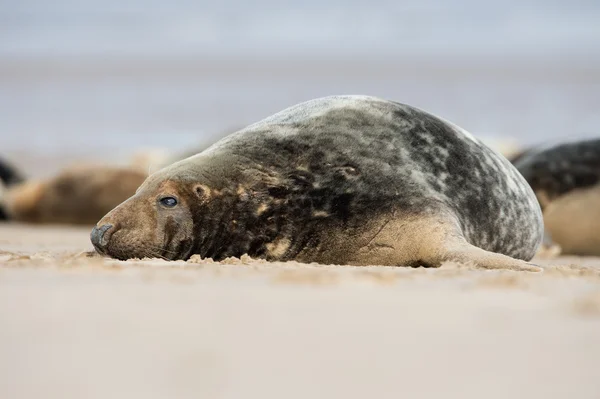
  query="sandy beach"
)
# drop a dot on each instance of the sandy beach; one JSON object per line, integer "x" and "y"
{"x": 75, "y": 325}
{"x": 106, "y": 82}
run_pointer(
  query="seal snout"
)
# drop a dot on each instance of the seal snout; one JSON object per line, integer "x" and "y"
{"x": 100, "y": 236}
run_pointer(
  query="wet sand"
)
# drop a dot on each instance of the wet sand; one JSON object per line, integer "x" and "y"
{"x": 74, "y": 326}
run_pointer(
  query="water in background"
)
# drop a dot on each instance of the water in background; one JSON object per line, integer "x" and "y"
{"x": 97, "y": 80}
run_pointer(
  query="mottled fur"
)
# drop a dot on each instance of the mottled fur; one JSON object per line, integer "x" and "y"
{"x": 555, "y": 170}
{"x": 346, "y": 180}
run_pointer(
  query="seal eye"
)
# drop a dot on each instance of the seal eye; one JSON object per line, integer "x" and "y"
{"x": 168, "y": 202}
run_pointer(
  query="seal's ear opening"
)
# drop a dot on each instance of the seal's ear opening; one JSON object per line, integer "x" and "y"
{"x": 201, "y": 191}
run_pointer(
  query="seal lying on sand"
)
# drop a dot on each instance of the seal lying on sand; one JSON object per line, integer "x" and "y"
{"x": 77, "y": 195}
{"x": 338, "y": 180}
{"x": 566, "y": 181}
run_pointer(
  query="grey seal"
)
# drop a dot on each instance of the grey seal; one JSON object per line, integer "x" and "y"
{"x": 353, "y": 180}
{"x": 565, "y": 178}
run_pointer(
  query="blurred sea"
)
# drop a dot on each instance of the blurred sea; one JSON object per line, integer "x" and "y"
{"x": 96, "y": 80}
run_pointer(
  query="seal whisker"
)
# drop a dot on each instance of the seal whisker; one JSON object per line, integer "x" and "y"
{"x": 186, "y": 253}
{"x": 152, "y": 254}
{"x": 161, "y": 249}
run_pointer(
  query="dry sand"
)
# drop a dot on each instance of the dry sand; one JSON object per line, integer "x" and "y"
{"x": 74, "y": 326}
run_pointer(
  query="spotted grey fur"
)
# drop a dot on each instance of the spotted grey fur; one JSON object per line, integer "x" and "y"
{"x": 331, "y": 167}
{"x": 555, "y": 170}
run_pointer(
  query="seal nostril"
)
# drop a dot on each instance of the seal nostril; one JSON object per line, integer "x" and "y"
{"x": 100, "y": 236}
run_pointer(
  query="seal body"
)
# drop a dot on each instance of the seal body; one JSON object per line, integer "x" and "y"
{"x": 77, "y": 195}
{"x": 566, "y": 181}
{"x": 340, "y": 180}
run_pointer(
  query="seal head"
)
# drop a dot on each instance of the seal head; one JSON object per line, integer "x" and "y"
{"x": 156, "y": 222}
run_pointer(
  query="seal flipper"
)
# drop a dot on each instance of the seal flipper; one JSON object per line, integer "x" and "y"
{"x": 447, "y": 243}
{"x": 430, "y": 240}
{"x": 467, "y": 253}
